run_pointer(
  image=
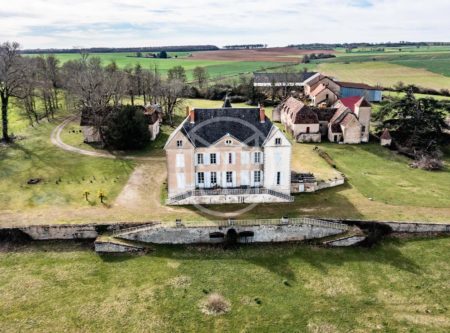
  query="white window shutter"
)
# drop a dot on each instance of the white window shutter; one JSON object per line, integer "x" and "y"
{"x": 206, "y": 158}
{"x": 233, "y": 159}
{"x": 218, "y": 158}
{"x": 252, "y": 178}
{"x": 180, "y": 181}
{"x": 261, "y": 161}
{"x": 180, "y": 160}
{"x": 207, "y": 179}
{"x": 196, "y": 159}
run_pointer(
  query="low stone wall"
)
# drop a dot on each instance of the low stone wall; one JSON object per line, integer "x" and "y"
{"x": 347, "y": 241}
{"x": 69, "y": 231}
{"x": 330, "y": 183}
{"x": 110, "y": 247}
{"x": 244, "y": 234}
{"x": 229, "y": 199}
{"x": 400, "y": 226}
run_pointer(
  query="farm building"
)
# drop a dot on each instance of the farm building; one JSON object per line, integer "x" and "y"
{"x": 228, "y": 155}
{"x": 153, "y": 113}
{"x": 281, "y": 79}
{"x": 349, "y": 89}
{"x": 347, "y": 121}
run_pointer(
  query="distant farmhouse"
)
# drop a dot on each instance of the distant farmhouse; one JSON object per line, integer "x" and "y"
{"x": 228, "y": 155}
{"x": 317, "y": 87}
{"x": 88, "y": 123}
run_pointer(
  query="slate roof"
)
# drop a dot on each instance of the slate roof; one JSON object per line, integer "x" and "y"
{"x": 212, "y": 124}
{"x": 282, "y": 77}
{"x": 356, "y": 85}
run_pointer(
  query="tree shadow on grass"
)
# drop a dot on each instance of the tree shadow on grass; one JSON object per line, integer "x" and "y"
{"x": 327, "y": 203}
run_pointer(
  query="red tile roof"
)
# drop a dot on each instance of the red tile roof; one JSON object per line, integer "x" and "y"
{"x": 386, "y": 135}
{"x": 353, "y": 101}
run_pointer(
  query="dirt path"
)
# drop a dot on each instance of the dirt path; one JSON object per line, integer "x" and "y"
{"x": 55, "y": 139}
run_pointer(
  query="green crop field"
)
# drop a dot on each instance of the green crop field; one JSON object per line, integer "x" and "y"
{"x": 397, "y": 286}
{"x": 215, "y": 68}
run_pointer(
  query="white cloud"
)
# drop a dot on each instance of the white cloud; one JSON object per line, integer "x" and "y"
{"x": 63, "y": 23}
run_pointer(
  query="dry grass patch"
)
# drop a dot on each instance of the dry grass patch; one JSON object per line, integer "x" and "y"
{"x": 215, "y": 304}
{"x": 321, "y": 328}
{"x": 180, "y": 281}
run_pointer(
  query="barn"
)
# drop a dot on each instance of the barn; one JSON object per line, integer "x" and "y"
{"x": 371, "y": 94}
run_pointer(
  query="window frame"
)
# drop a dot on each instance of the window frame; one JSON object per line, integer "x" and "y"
{"x": 201, "y": 176}
{"x": 278, "y": 141}
{"x": 179, "y": 143}
{"x": 211, "y": 160}
{"x": 278, "y": 178}
{"x": 200, "y": 159}
{"x": 257, "y": 176}
{"x": 212, "y": 176}
{"x": 257, "y": 157}
{"x": 230, "y": 174}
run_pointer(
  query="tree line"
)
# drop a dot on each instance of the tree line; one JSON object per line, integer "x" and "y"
{"x": 174, "y": 48}
{"x": 85, "y": 84}
{"x": 245, "y": 46}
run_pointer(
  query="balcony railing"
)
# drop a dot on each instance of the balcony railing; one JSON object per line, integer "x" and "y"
{"x": 229, "y": 191}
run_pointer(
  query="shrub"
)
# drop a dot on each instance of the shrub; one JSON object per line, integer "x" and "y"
{"x": 428, "y": 163}
{"x": 215, "y": 304}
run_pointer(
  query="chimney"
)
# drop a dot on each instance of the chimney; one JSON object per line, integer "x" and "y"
{"x": 262, "y": 114}
{"x": 192, "y": 116}
{"x": 188, "y": 109}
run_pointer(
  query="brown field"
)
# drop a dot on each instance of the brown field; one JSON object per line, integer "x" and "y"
{"x": 275, "y": 54}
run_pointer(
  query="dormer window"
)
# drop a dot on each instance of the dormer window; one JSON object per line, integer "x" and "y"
{"x": 278, "y": 141}
{"x": 228, "y": 142}
{"x": 179, "y": 143}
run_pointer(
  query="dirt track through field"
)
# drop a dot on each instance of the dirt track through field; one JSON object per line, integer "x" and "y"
{"x": 55, "y": 139}
{"x": 276, "y": 54}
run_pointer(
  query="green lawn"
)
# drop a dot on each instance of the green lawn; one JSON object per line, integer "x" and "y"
{"x": 398, "y": 286}
{"x": 385, "y": 176}
{"x": 65, "y": 176}
{"x": 215, "y": 68}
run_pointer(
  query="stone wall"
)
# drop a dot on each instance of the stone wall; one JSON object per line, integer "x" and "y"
{"x": 254, "y": 234}
{"x": 229, "y": 199}
{"x": 71, "y": 231}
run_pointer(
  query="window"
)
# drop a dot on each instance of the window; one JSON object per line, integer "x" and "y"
{"x": 229, "y": 177}
{"x": 363, "y": 129}
{"x": 213, "y": 178}
{"x": 257, "y": 176}
{"x": 179, "y": 143}
{"x": 201, "y": 178}
{"x": 307, "y": 130}
{"x": 278, "y": 141}
{"x": 228, "y": 142}
{"x": 212, "y": 158}
{"x": 278, "y": 178}
{"x": 199, "y": 158}
{"x": 257, "y": 157}
{"x": 230, "y": 158}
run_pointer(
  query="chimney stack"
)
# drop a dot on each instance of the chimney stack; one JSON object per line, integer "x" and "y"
{"x": 262, "y": 114}
{"x": 192, "y": 116}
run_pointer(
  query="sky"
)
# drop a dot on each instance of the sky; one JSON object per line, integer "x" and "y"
{"x": 120, "y": 23}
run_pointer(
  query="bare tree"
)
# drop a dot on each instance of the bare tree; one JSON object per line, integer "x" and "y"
{"x": 92, "y": 87}
{"x": 28, "y": 90}
{"x": 11, "y": 79}
{"x": 201, "y": 76}
{"x": 170, "y": 93}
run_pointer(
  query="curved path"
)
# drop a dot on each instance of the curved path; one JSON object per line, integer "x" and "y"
{"x": 55, "y": 138}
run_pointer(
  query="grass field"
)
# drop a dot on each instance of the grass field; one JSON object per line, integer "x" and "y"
{"x": 385, "y": 74}
{"x": 397, "y": 192}
{"x": 215, "y": 68}
{"x": 398, "y": 286}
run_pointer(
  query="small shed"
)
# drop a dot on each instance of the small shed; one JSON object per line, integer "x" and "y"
{"x": 385, "y": 138}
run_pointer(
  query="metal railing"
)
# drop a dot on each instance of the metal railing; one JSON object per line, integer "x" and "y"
{"x": 230, "y": 191}
{"x": 243, "y": 223}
